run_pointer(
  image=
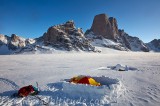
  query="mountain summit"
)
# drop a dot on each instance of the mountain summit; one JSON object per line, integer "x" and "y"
{"x": 154, "y": 45}
{"x": 68, "y": 37}
{"x": 107, "y": 27}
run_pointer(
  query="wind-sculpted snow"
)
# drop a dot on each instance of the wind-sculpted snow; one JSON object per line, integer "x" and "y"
{"x": 139, "y": 87}
{"x": 9, "y": 82}
{"x": 109, "y": 90}
{"x": 120, "y": 67}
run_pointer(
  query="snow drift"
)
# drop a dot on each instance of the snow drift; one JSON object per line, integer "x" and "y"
{"x": 110, "y": 90}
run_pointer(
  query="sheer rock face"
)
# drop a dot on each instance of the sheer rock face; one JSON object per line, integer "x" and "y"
{"x": 114, "y": 26}
{"x": 104, "y": 26}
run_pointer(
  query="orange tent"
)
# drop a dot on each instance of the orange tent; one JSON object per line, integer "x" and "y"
{"x": 84, "y": 80}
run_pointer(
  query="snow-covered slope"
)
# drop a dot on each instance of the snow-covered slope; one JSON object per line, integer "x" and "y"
{"x": 99, "y": 41}
{"x": 136, "y": 44}
{"x": 154, "y": 45}
{"x": 123, "y": 42}
{"x": 141, "y": 87}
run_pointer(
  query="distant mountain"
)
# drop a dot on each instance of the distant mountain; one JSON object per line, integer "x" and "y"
{"x": 104, "y": 32}
{"x": 15, "y": 44}
{"x": 105, "y": 28}
{"x": 60, "y": 37}
{"x": 154, "y": 45}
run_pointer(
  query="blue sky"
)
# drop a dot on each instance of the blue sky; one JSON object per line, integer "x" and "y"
{"x": 31, "y": 18}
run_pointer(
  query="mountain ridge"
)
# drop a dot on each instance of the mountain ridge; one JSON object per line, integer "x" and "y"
{"x": 103, "y": 32}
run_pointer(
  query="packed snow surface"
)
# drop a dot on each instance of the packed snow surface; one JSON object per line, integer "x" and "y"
{"x": 110, "y": 88}
{"x": 140, "y": 87}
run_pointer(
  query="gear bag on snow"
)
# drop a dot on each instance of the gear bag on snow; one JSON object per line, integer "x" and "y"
{"x": 27, "y": 90}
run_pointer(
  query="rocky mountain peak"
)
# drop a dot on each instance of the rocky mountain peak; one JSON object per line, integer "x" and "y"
{"x": 154, "y": 45}
{"x": 104, "y": 26}
{"x": 16, "y": 42}
{"x": 69, "y": 24}
{"x": 55, "y": 33}
{"x": 67, "y": 36}
{"x": 15, "y": 38}
{"x": 156, "y": 42}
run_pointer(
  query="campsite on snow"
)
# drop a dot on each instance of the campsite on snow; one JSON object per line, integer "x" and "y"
{"x": 138, "y": 86}
{"x": 79, "y": 53}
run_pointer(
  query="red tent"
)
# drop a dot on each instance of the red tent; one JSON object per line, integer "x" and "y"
{"x": 85, "y": 80}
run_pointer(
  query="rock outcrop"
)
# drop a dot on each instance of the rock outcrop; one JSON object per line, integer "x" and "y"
{"x": 60, "y": 37}
{"x": 132, "y": 43}
{"x": 114, "y": 26}
{"x": 3, "y": 40}
{"x": 67, "y": 37}
{"x": 104, "y": 26}
{"x": 16, "y": 42}
{"x": 154, "y": 45}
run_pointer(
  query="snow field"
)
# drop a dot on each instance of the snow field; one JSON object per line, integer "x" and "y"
{"x": 134, "y": 88}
